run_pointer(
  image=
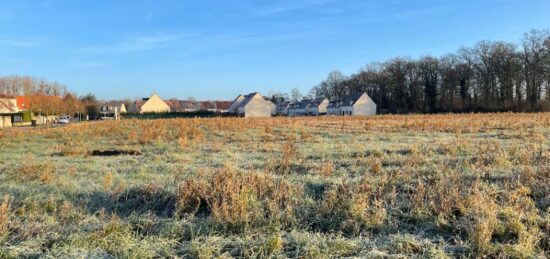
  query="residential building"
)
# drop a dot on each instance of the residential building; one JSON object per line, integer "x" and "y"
{"x": 153, "y": 104}
{"x": 42, "y": 109}
{"x": 282, "y": 108}
{"x": 222, "y": 106}
{"x": 299, "y": 108}
{"x": 112, "y": 110}
{"x": 318, "y": 106}
{"x": 195, "y": 106}
{"x": 353, "y": 105}
{"x": 8, "y": 110}
{"x": 252, "y": 105}
{"x": 235, "y": 104}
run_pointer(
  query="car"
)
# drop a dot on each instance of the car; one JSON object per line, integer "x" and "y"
{"x": 64, "y": 120}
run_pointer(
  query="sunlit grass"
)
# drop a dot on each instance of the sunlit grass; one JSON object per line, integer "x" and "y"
{"x": 421, "y": 185}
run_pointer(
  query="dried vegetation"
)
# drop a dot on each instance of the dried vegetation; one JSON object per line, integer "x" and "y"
{"x": 471, "y": 185}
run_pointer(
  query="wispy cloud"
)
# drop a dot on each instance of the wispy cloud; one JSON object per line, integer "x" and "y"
{"x": 288, "y": 6}
{"x": 132, "y": 44}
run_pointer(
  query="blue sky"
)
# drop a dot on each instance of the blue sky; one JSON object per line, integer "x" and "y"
{"x": 215, "y": 49}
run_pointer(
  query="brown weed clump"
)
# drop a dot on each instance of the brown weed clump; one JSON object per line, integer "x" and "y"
{"x": 480, "y": 221}
{"x": 288, "y": 153}
{"x": 375, "y": 165}
{"x": 31, "y": 171}
{"x": 4, "y": 215}
{"x": 236, "y": 200}
{"x": 350, "y": 208}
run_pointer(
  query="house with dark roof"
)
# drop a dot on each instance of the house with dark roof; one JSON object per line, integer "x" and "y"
{"x": 195, "y": 106}
{"x": 282, "y": 108}
{"x": 252, "y": 105}
{"x": 299, "y": 108}
{"x": 234, "y": 104}
{"x": 318, "y": 106}
{"x": 353, "y": 105}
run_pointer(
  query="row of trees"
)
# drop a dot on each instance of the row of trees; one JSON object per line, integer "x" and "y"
{"x": 46, "y": 97}
{"x": 491, "y": 76}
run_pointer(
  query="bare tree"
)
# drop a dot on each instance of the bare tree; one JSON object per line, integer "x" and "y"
{"x": 491, "y": 76}
{"x": 295, "y": 94}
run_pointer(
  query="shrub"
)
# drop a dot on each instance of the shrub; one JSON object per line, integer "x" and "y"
{"x": 236, "y": 200}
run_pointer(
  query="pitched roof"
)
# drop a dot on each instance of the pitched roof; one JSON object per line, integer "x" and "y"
{"x": 22, "y": 102}
{"x": 317, "y": 101}
{"x": 189, "y": 105}
{"x": 237, "y": 98}
{"x": 346, "y": 101}
{"x": 284, "y": 104}
{"x": 175, "y": 105}
{"x": 352, "y": 99}
{"x": 222, "y": 105}
{"x": 206, "y": 105}
{"x": 5, "y": 96}
{"x": 182, "y": 106}
{"x": 7, "y": 107}
{"x": 333, "y": 104}
{"x": 140, "y": 103}
{"x": 247, "y": 99}
{"x": 303, "y": 104}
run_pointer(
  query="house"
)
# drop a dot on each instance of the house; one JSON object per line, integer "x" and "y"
{"x": 222, "y": 106}
{"x": 121, "y": 107}
{"x": 194, "y": 106}
{"x": 189, "y": 106}
{"x": 153, "y": 104}
{"x": 353, "y": 105}
{"x": 112, "y": 110}
{"x": 183, "y": 106}
{"x": 299, "y": 108}
{"x": 42, "y": 109}
{"x": 209, "y": 106}
{"x": 251, "y": 105}
{"x": 115, "y": 105}
{"x": 8, "y": 110}
{"x": 333, "y": 108}
{"x": 283, "y": 107}
{"x": 235, "y": 103}
{"x": 318, "y": 106}
{"x": 175, "y": 105}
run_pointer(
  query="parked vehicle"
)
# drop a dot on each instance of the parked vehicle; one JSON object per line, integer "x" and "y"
{"x": 64, "y": 120}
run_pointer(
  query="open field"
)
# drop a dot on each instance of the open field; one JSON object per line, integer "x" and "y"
{"x": 386, "y": 186}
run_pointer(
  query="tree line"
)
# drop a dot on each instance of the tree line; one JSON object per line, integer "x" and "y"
{"x": 491, "y": 76}
{"x": 45, "y": 97}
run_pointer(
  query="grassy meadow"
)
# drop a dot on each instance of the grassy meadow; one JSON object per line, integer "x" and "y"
{"x": 424, "y": 186}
